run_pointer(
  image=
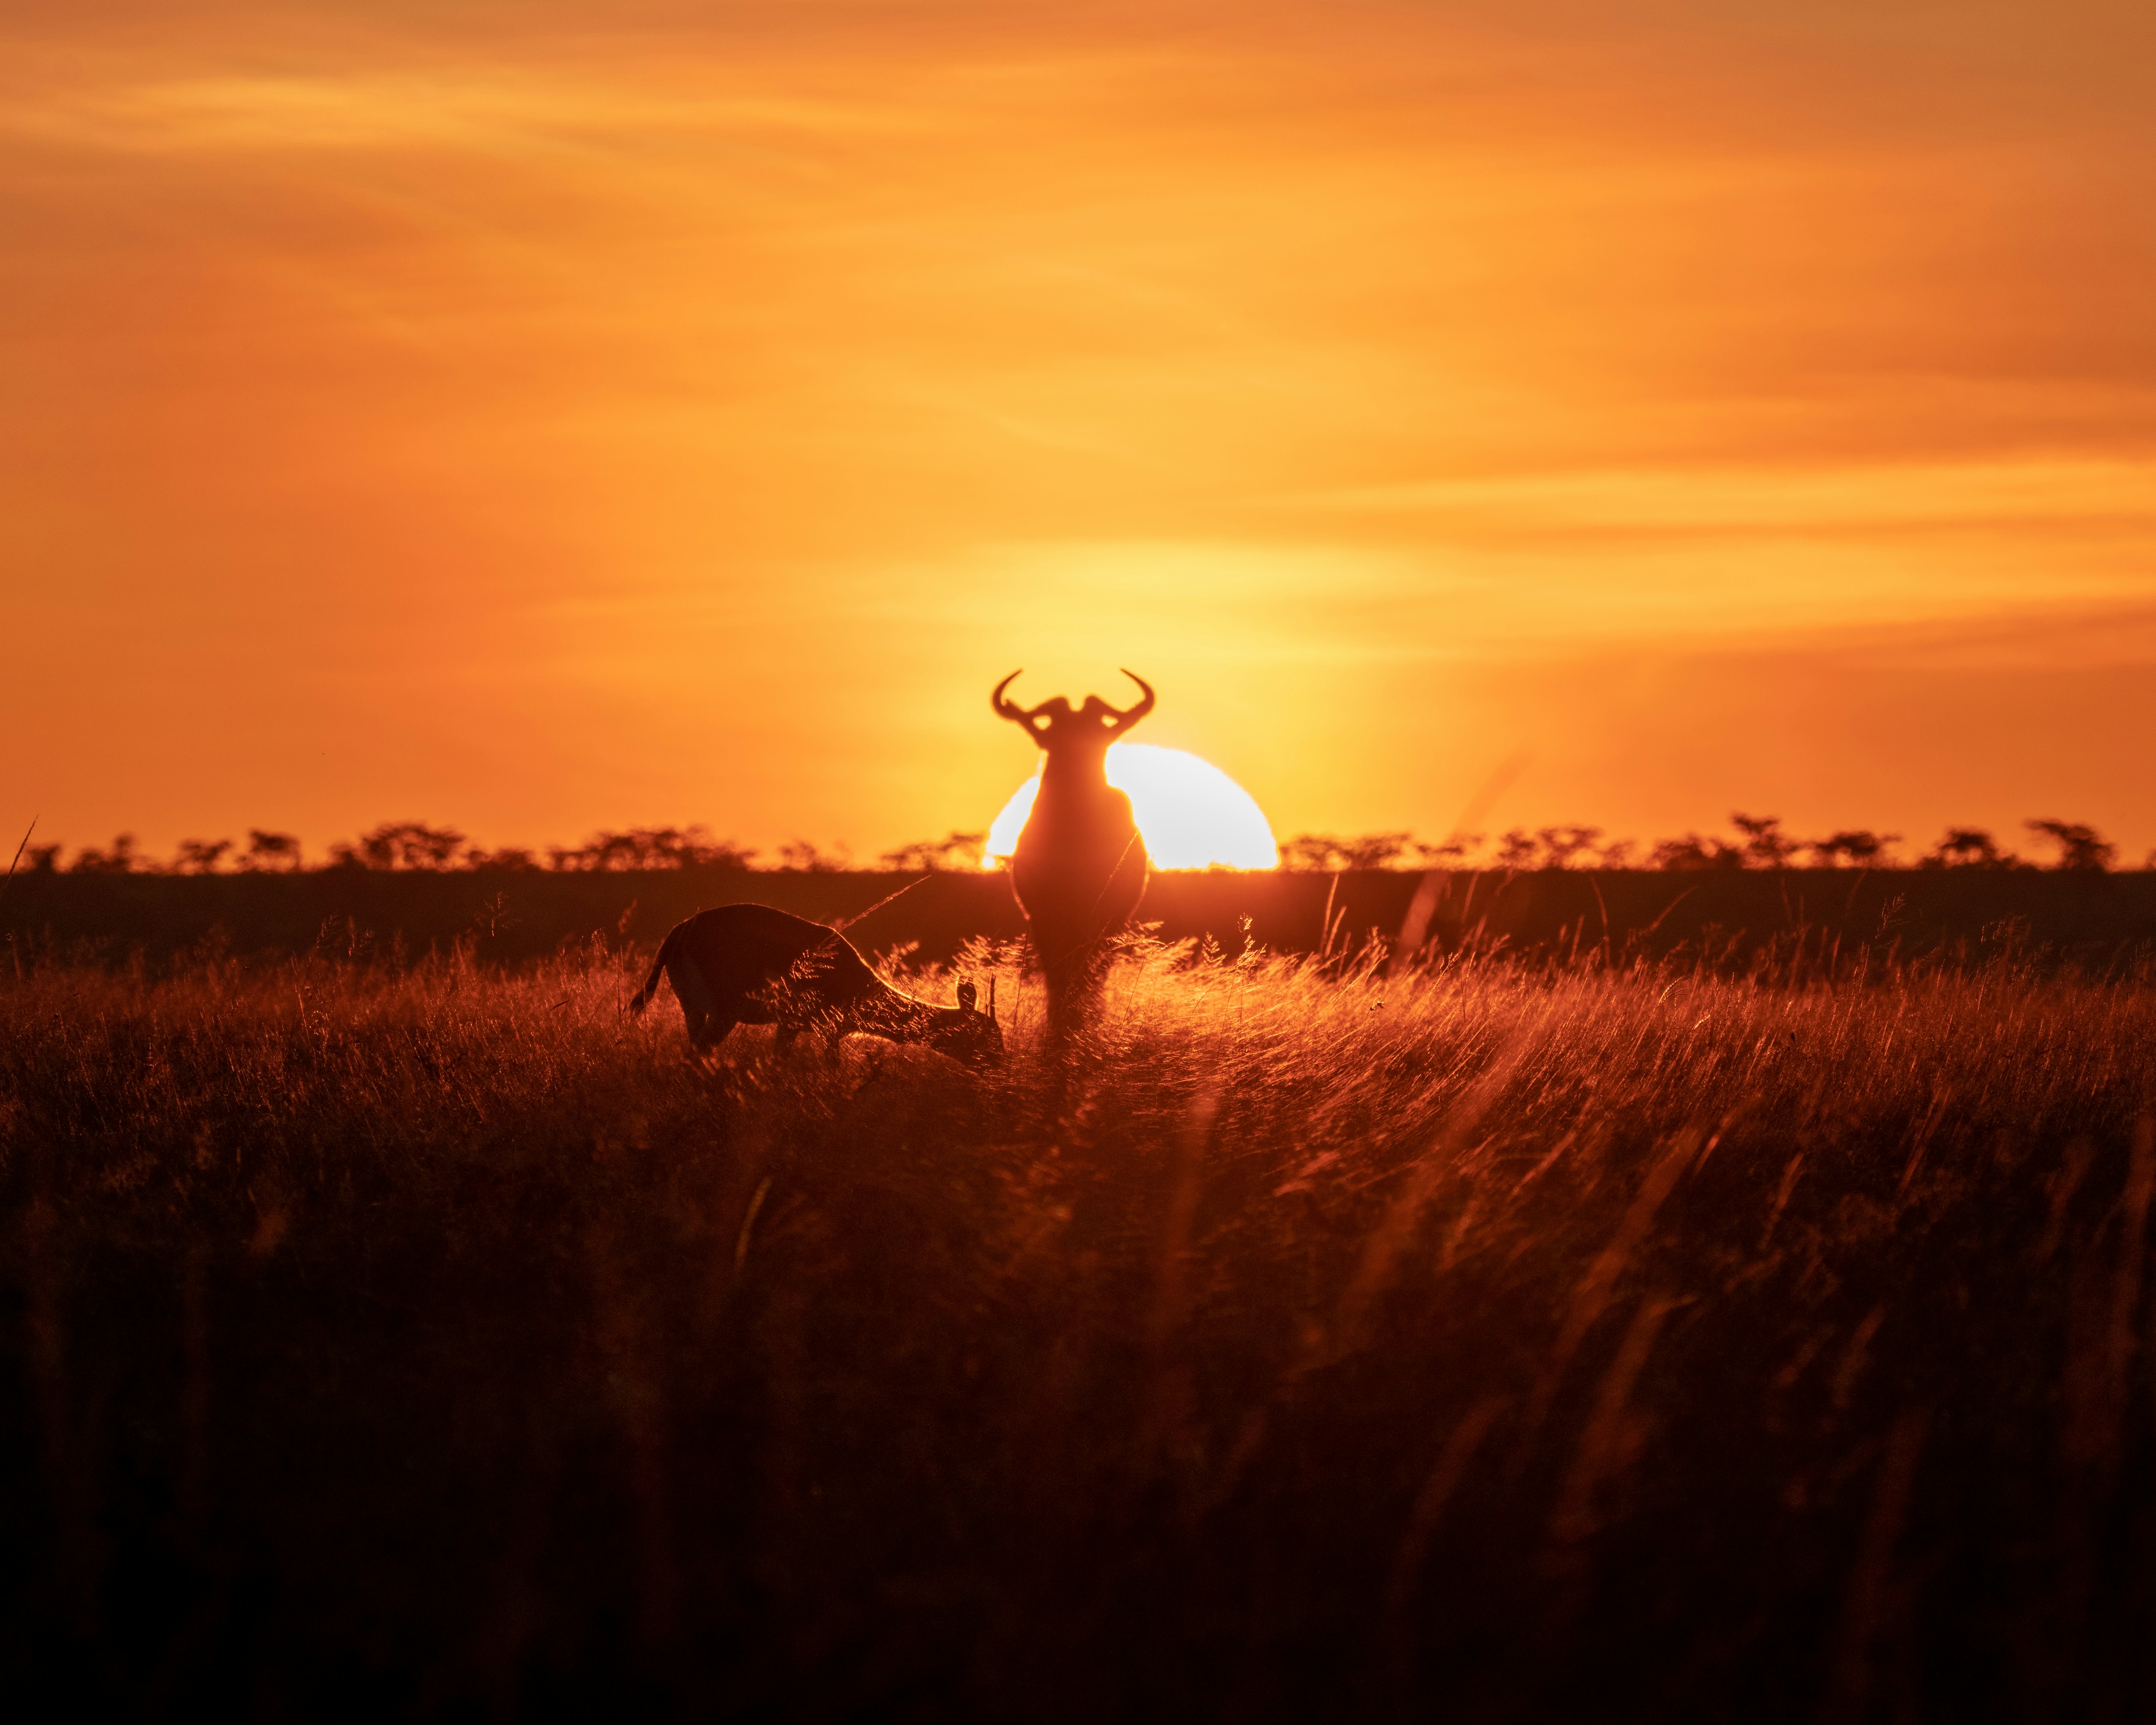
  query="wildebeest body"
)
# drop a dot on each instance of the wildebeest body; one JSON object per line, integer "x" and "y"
{"x": 753, "y": 964}
{"x": 1079, "y": 868}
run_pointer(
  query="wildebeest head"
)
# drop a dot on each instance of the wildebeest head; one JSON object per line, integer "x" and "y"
{"x": 1056, "y": 727}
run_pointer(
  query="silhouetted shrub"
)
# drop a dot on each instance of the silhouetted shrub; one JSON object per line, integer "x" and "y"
{"x": 1693, "y": 852}
{"x": 1766, "y": 845}
{"x": 200, "y": 856}
{"x": 400, "y": 845}
{"x": 690, "y": 847}
{"x": 959, "y": 851}
{"x": 1968, "y": 848}
{"x": 511, "y": 857}
{"x": 804, "y": 858}
{"x": 1322, "y": 853}
{"x": 1453, "y": 853}
{"x": 1560, "y": 845}
{"x": 121, "y": 859}
{"x": 1859, "y": 846}
{"x": 269, "y": 850}
{"x": 1517, "y": 850}
{"x": 2081, "y": 846}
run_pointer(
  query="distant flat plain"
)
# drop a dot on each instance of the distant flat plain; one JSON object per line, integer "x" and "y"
{"x": 2091, "y": 920}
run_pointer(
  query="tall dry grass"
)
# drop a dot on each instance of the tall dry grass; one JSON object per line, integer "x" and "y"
{"x": 1528, "y": 1344}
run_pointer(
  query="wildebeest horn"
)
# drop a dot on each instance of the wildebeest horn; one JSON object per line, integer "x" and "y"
{"x": 968, "y": 994}
{"x": 1130, "y": 716}
{"x": 1007, "y": 708}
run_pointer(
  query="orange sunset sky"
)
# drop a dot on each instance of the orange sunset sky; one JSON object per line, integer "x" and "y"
{"x": 536, "y": 417}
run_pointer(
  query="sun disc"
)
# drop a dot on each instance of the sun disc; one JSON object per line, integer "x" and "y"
{"x": 1191, "y": 814}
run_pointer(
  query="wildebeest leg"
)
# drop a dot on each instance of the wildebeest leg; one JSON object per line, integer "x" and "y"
{"x": 1074, "y": 988}
{"x": 700, "y": 1009}
{"x": 824, "y": 1040}
{"x": 712, "y": 1031}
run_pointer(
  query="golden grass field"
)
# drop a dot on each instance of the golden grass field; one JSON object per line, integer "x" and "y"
{"x": 1485, "y": 1341}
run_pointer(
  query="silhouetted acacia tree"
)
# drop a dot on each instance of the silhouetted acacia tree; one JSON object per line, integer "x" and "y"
{"x": 1322, "y": 853}
{"x": 270, "y": 851}
{"x": 120, "y": 859}
{"x": 1561, "y": 845}
{"x": 200, "y": 856}
{"x": 1308, "y": 853}
{"x": 958, "y": 851}
{"x": 1375, "y": 850}
{"x": 1968, "y": 848}
{"x": 699, "y": 850}
{"x": 1766, "y": 845}
{"x": 1693, "y": 852}
{"x": 1859, "y": 846}
{"x": 802, "y": 857}
{"x": 1451, "y": 852}
{"x": 400, "y": 845}
{"x": 1518, "y": 849}
{"x": 690, "y": 847}
{"x": 2081, "y": 846}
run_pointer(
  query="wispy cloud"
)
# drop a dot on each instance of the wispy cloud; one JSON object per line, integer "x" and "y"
{"x": 1827, "y": 499}
{"x": 449, "y": 109}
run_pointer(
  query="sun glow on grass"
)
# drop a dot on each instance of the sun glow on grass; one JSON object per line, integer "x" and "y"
{"x": 1191, "y": 814}
{"x": 1634, "y": 1260}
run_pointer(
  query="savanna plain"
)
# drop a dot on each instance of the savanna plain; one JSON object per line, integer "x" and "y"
{"x": 1317, "y": 1338}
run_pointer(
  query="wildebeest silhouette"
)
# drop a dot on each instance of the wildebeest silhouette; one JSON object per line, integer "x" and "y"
{"x": 751, "y": 964}
{"x": 1080, "y": 866}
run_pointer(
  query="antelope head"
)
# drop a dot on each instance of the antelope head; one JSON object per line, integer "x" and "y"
{"x": 966, "y": 1034}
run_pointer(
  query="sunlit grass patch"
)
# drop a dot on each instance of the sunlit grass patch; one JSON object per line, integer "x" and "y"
{"x": 1529, "y": 1334}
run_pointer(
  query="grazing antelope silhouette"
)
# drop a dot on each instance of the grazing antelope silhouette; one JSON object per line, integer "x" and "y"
{"x": 751, "y": 964}
{"x": 1079, "y": 867}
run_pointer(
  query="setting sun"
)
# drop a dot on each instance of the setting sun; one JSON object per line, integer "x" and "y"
{"x": 1191, "y": 814}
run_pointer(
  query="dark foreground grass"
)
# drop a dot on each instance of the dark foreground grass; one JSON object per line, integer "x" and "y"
{"x": 1474, "y": 1344}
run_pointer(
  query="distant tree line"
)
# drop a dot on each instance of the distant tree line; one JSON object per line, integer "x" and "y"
{"x": 414, "y": 845}
{"x": 1757, "y": 842}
